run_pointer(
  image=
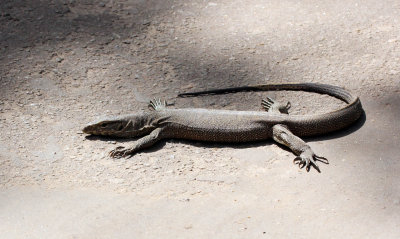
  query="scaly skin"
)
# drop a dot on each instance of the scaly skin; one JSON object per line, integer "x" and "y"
{"x": 234, "y": 126}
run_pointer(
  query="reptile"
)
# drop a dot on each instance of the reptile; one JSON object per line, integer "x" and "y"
{"x": 233, "y": 126}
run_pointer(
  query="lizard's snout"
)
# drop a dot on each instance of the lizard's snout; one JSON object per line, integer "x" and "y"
{"x": 87, "y": 129}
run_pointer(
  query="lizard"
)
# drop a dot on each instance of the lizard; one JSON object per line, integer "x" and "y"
{"x": 233, "y": 126}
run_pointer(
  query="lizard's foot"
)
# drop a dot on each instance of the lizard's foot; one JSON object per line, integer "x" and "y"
{"x": 157, "y": 104}
{"x": 120, "y": 152}
{"x": 308, "y": 159}
{"x": 271, "y": 105}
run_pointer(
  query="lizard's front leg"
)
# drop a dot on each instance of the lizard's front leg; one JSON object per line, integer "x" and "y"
{"x": 305, "y": 155}
{"x": 140, "y": 144}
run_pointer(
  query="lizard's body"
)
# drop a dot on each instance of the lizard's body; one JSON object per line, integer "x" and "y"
{"x": 232, "y": 126}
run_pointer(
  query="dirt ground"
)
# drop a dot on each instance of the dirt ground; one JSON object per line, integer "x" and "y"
{"x": 65, "y": 63}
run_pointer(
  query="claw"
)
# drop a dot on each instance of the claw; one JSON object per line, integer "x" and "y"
{"x": 270, "y": 104}
{"x": 124, "y": 154}
{"x": 321, "y": 159}
{"x": 114, "y": 152}
{"x": 120, "y": 152}
{"x": 307, "y": 161}
{"x": 270, "y": 99}
{"x": 317, "y": 168}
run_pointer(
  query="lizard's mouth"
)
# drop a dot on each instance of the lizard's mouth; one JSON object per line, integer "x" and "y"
{"x": 105, "y": 128}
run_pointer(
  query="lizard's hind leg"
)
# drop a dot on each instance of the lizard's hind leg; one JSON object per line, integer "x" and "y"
{"x": 273, "y": 106}
{"x": 281, "y": 134}
{"x": 305, "y": 155}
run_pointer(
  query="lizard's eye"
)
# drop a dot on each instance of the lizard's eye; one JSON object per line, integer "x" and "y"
{"x": 103, "y": 125}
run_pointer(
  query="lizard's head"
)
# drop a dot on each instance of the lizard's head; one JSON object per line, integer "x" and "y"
{"x": 124, "y": 126}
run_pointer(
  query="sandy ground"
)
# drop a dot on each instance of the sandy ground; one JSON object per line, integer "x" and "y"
{"x": 66, "y": 63}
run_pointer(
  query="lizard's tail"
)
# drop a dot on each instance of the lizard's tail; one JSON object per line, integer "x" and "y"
{"x": 306, "y": 125}
{"x": 331, "y": 90}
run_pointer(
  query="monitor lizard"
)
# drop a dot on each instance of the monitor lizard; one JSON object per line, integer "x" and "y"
{"x": 233, "y": 126}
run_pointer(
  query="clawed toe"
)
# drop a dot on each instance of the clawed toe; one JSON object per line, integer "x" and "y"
{"x": 157, "y": 104}
{"x": 116, "y": 152}
{"x": 321, "y": 159}
{"x": 267, "y": 104}
{"x": 271, "y": 105}
{"x": 307, "y": 162}
{"x": 119, "y": 152}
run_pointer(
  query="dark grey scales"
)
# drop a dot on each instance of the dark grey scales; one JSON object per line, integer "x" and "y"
{"x": 234, "y": 126}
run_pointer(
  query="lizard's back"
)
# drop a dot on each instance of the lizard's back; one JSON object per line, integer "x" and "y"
{"x": 220, "y": 125}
